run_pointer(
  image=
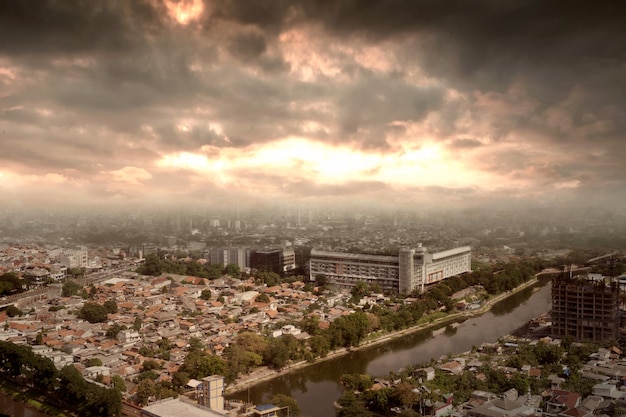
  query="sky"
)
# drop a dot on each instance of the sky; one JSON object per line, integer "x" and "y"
{"x": 402, "y": 103}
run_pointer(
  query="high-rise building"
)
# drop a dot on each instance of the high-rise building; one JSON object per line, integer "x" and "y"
{"x": 411, "y": 269}
{"x": 585, "y": 309}
{"x": 225, "y": 256}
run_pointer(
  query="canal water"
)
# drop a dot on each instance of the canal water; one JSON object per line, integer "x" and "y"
{"x": 316, "y": 387}
{"x": 10, "y": 407}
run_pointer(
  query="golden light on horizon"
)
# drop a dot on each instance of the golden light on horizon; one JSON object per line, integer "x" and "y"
{"x": 305, "y": 159}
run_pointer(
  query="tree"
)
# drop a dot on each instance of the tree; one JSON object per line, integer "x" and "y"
{"x": 351, "y": 406}
{"x": 360, "y": 290}
{"x": 319, "y": 346}
{"x": 214, "y": 271}
{"x": 262, "y": 298}
{"x": 114, "y": 330}
{"x": 13, "y": 311}
{"x": 348, "y": 330}
{"x": 404, "y": 395}
{"x": 104, "y": 402}
{"x": 10, "y": 282}
{"x": 93, "y": 313}
{"x": 269, "y": 278}
{"x": 241, "y": 360}
{"x": 151, "y": 266}
{"x": 199, "y": 364}
{"x": 150, "y": 365}
{"x": 376, "y": 288}
{"x": 118, "y": 383}
{"x": 321, "y": 280}
{"x": 205, "y": 295}
{"x": 111, "y": 306}
{"x": 44, "y": 372}
{"x": 93, "y": 362}
{"x": 378, "y": 399}
{"x": 356, "y": 382}
{"x": 195, "y": 344}
{"x": 145, "y": 390}
{"x": 73, "y": 385}
{"x": 233, "y": 270}
{"x": 311, "y": 324}
{"x": 282, "y": 400}
{"x": 70, "y": 288}
{"x": 77, "y": 272}
{"x": 277, "y": 354}
{"x": 137, "y": 323}
{"x": 180, "y": 379}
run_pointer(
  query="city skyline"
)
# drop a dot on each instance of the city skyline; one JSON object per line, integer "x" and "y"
{"x": 394, "y": 103}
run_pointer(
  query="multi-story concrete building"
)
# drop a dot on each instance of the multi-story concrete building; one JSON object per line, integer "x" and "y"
{"x": 585, "y": 309}
{"x": 412, "y": 269}
{"x": 75, "y": 258}
{"x": 279, "y": 261}
{"x": 225, "y": 256}
{"x": 213, "y": 392}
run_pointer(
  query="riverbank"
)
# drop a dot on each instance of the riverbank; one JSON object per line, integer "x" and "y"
{"x": 265, "y": 374}
{"x": 31, "y": 399}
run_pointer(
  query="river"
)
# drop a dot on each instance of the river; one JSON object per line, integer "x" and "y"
{"x": 316, "y": 387}
{"x": 10, "y": 407}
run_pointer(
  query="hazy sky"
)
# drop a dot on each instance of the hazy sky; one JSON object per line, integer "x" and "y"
{"x": 403, "y": 101}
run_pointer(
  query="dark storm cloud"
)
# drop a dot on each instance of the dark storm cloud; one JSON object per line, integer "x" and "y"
{"x": 371, "y": 104}
{"x": 513, "y": 86}
{"x": 49, "y": 26}
{"x": 248, "y": 46}
{"x": 488, "y": 45}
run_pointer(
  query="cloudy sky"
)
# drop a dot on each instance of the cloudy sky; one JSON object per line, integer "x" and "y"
{"x": 395, "y": 101}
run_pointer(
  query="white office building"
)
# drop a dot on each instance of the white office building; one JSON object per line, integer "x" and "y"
{"x": 412, "y": 269}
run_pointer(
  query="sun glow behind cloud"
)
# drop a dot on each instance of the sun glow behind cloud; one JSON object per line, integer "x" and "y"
{"x": 184, "y": 11}
{"x": 304, "y": 159}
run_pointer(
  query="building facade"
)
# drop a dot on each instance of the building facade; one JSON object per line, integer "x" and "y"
{"x": 585, "y": 309}
{"x": 280, "y": 261}
{"x": 412, "y": 269}
{"x": 225, "y": 256}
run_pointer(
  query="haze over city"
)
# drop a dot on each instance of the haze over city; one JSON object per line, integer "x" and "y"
{"x": 400, "y": 103}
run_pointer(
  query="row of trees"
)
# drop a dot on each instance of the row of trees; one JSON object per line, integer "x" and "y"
{"x": 67, "y": 387}
{"x": 156, "y": 266}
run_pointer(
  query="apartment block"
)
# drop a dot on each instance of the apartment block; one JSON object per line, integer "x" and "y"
{"x": 585, "y": 309}
{"x": 411, "y": 269}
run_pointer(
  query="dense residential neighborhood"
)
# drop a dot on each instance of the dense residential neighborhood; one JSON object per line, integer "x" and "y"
{"x": 154, "y": 327}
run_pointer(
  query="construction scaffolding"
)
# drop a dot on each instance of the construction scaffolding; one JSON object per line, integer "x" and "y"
{"x": 585, "y": 309}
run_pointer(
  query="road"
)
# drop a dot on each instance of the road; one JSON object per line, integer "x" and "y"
{"x": 87, "y": 280}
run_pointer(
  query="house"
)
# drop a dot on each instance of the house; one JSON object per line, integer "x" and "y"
{"x": 454, "y": 367}
{"x": 609, "y": 391}
{"x": 427, "y": 373}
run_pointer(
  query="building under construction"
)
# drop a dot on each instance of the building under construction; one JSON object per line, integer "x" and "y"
{"x": 585, "y": 309}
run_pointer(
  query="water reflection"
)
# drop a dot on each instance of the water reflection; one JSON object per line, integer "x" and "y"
{"x": 316, "y": 387}
{"x": 14, "y": 408}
